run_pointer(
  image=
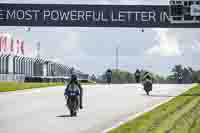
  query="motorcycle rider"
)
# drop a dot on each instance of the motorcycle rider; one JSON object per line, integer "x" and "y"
{"x": 74, "y": 80}
{"x": 147, "y": 75}
{"x": 137, "y": 76}
{"x": 109, "y": 76}
{"x": 147, "y": 78}
{"x": 180, "y": 78}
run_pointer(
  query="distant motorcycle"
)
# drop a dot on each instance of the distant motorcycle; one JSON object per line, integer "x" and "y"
{"x": 147, "y": 87}
{"x": 109, "y": 76}
{"x": 180, "y": 78}
{"x": 109, "y": 79}
{"x": 72, "y": 96}
{"x": 137, "y": 76}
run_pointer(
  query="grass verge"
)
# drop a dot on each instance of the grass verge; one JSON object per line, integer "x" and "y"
{"x": 13, "y": 86}
{"x": 179, "y": 115}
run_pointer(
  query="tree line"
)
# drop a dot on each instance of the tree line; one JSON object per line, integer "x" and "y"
{"x": 179, "y": 74}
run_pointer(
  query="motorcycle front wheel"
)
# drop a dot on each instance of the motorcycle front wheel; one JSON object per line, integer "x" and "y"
{"x": 73, "y": 113}
{"x": 147, "y": 93}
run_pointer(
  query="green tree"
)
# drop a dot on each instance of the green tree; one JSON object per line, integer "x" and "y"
{"x": 159, "y": 79}
{"x": 187, "y": 75}
{"x": 196, "y": 76}
{"x": 130, "y": 78}
{"x": 178, "y": 69}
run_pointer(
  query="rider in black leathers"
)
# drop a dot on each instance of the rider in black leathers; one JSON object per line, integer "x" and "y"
{"x": 137, "y": 76}
{"x": 147, "y": 78}
{"x": 109, "y": 76}
{"x": 74, "y": 80}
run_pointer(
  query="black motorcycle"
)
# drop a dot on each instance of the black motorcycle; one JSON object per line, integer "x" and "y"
{"x": 109, "y": 80}
{"x": 109, "y": 76}
{"x": 137, "y": 77}
{"x": 147, "y": 87}
{"x": 180, "y": 79}
{"x": 72, "y": 97}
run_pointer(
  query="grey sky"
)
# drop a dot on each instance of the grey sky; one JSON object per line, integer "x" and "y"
{"x": 92, "y": 50}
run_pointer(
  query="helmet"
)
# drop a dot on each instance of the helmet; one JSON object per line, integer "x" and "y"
{"x": 73, "y": 77}
{"x": 109, "y": 70}
{"x": 137, "y": 71}
{"x": 148, "y": 77}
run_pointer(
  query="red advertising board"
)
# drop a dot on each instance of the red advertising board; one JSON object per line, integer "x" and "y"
{"x": 10, "y": 45}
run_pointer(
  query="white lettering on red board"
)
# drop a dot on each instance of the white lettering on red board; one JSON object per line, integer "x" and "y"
{"x": 8, "y": 45}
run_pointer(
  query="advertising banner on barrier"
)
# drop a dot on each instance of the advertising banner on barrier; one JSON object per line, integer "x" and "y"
{"x": 10, "y": 45}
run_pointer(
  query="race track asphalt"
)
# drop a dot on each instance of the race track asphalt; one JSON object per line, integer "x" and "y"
{"x": 44, "y": 110}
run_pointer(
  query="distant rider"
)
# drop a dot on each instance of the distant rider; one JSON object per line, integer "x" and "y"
{"x": 147, "y": 78}
{"x": 75, "y": 81}
{"x": 109, "y": 76}
{"x": 137, "y": 76}
{"x": 180, "y": 78}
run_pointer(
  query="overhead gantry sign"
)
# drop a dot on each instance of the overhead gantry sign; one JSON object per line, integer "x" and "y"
{"x": 184, "y": 11}
{"x": 161, "y": 16}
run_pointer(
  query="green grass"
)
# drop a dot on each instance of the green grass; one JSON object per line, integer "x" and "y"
{"x": 179, "y": 115}
{"x": 13, "y": 86}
